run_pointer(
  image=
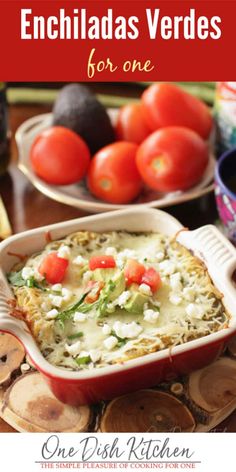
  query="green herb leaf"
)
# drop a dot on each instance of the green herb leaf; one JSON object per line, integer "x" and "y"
{"x": 104, "y": 298}
{"x": 87, "y": 307}
{"x": 32, "y": 283}
{"x": 75, "y": 336}
{"x": 83, "y": 360}
{"x": 67, "y": 314}
{"x": 121, "y": 341}
{"x": 55, "y": 292}
{"x": 15, "y": 278}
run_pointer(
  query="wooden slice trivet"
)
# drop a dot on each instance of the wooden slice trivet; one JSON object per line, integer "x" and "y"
{"x": 29, "y": 405}
{"x": 208, "y": 396}
{"x": 147, "y": 411}
{"x": 195, "y": 403}
{"x": 12, "y": 355}
{"x": 213, "y": 389}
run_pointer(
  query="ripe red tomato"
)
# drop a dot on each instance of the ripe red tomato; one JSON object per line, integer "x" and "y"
{"x": 59, "y": 156}
{"x": 131, "y": 124}
{"x": 152, "y": 278}
{"x": 134, "y": 272}
{"x": 168, "y": 105}
{"x": 113, "y": 175}
{"x": 173, "y": 158}
{"x": 53, "y": 268}
{"x": 102, "y": 262}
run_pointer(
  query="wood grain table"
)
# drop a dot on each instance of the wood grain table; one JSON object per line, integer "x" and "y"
{"x": 28, "y": 208}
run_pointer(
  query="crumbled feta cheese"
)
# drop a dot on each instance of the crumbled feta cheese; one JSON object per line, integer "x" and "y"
{"x": 151, "y": 316}
{"x": 189, "y": 294}
{"x": 56, "y": 287}
{"x": 128, "y": 253}
{"x": 145, "y": 289}
{"x": 80, "y": 261}
{"x": 27, "y": 272}
{"x": 123, "y": 256}
{"x": 66, "y": 294}
{"x": 111, "y": 251}
{"x": 56, "y": 300}
{"x": 127, "y": 330}
{"x": 194, "y": 311}
{"x": 79, "y": 317}
{"x": 87, "y": 276}
{"x": 120, "y": 262}
{"x": 106, "y": 329}
{"x": 175, "y": 282}
{"x": 64, "y": 252}
{"x": 95, "y": 355}
{"x": 175, "y": 299}
{"x": 160, "y": 256}
{"x": 73, "y": 349}
{"x": 52, "y": 314}
{"x": 167, "y": 267}
{"x": 110, "y": 342}
{"x": 123, "y": 298}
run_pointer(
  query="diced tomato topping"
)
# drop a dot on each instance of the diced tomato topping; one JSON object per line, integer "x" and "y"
{"x": 152, "y": 278}
{"x": 102, "y": 262}
{"x": 95, "y": 289}
{"x": 53, "y": 268}
{"x": 134, "y": 272}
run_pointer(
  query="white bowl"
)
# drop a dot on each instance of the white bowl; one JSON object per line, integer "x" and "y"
{"x": 77, "y": 195}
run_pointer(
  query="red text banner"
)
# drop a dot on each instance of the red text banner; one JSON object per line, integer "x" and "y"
{"x": 117, "y": 40}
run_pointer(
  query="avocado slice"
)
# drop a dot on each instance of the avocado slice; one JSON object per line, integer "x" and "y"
{"x": 116, "y": 279}
{"x": 77, "y": 108}
{"x": 115, "y": 282}
{"x": 136, "y": 303}
{"x": 119, "y": 281}
{"x": 114, "y": 287}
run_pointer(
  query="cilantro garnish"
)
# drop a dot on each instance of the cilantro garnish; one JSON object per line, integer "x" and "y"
{"x": 83, "y": 360}
{"x": 71, "y": 337}
{"x": 16, "y": 279}
{"x": 67, "y": 314}
{"x": 121, "y": 341}
{"x": 100, "y": 305}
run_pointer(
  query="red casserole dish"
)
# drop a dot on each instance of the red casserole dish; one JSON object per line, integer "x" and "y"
{"x": 90, "y": 386}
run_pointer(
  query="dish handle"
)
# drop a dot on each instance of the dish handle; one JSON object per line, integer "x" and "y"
{"x": 27, "y": 127}
{"x": 216, "y": 251}
{"x": 10, "y": 321}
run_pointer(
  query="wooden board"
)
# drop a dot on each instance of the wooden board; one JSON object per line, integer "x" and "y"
{"x": 195, "y": 402}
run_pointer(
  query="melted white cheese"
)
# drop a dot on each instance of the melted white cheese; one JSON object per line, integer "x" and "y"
{"x": 184, "y": 307}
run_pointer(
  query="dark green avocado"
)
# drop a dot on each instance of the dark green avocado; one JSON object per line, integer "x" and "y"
{"x": 78, "y": 109}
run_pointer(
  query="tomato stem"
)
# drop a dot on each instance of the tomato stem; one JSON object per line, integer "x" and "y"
{"x": 106, "y": 184}
{"x": 158, "y": 163}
